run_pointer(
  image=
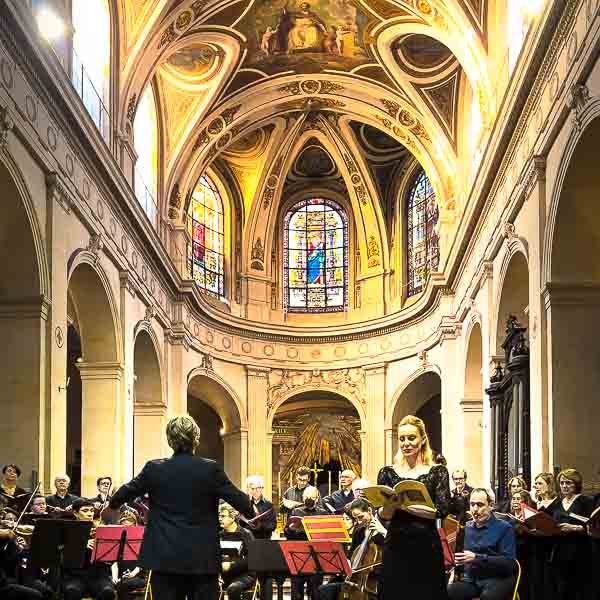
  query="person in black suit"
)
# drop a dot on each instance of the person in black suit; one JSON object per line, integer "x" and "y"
{"x": 460, "y": 495}
{"x": 181, "y": 542}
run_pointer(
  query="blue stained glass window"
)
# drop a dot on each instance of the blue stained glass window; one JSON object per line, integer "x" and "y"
{"x": 206, "y": 226}
{"x": 423, "y": 241}
{"x": 315, "y": 257}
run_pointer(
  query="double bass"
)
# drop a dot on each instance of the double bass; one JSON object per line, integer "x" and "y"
{"x": 362, "y": 584}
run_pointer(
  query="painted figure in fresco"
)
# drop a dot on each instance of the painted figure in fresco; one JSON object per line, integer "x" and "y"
{"x": 308, "y": 31}
{"x": 283, "y": 29}
{"x": 315, "y": 259}
{"x": 269, "y": 38}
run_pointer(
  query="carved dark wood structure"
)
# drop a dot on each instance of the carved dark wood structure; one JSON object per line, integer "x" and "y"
{"x": 509, "y": 395}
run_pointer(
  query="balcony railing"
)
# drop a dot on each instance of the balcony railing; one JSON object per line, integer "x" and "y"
{"x": 146, "y": 198}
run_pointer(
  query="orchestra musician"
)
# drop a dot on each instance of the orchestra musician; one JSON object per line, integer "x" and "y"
{"x": 234, "y": 541}
{"x": 181, "y": 545}
{"x": 38, "y": 505}
{"x": 294, "y": 531}
{"x": 366, "y": 524}
{"x": 292, "y": 497}
{"x": 11, "y": 494}
{"x": 62, "y": 500}
{"x": 126, "y": 574}
{"x": 412, "y": 555}
{"x": 489, "y": 554}
{"x": 92, "y": 579}
{"x": 342, "y": 497}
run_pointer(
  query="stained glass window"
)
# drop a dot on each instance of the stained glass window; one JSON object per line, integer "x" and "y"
{"x": 206, "y": 226}
{"x": 316, "y": 257}
{"x": 423, "y": 247}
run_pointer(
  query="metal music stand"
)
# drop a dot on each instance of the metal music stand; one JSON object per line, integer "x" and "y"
{"x": 315, "y": 558}
{"x": 115, "y": 543}
{"x": 60, "y": 544}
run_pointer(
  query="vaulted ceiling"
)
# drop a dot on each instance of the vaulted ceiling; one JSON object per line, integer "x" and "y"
{"x": 282, "y": 93}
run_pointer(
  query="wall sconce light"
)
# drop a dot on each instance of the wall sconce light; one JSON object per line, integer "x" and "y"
{"x": 66, "y": 386}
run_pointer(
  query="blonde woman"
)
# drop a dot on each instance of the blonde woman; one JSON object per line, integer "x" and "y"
{"x": 413, "y": 562}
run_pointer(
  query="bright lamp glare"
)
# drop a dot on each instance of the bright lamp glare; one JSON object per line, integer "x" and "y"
{"x": 50, "y": 24}
{"x": 532, "y": 8}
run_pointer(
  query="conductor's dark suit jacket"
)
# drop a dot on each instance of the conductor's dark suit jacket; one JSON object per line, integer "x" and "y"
{"x": 182, "y": 531}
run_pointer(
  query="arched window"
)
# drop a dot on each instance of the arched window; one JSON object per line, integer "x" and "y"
{"x": 145, "y": 138}
{"x": 207, "y": 230}
{"x": 315, "y": 257}
{"x": 423, "y": 247}
{"x": 91, "y": 59}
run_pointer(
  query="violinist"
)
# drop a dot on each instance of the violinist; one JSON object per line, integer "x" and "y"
{"x": 292, "y": 497}
{"x": 103, "y": 485}
{"x": 93, "y": 579}
{"x": 368, "y": 529}
{"x": 61, "y": 501}
{"x": 38, "y": 506}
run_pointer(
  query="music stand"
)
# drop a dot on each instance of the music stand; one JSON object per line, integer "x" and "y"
{"x": 315, "y": 558}
{"x": 115, "y": 543}
{"x": 60, "y": 544}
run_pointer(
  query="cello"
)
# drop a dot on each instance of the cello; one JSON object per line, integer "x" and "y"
{"x": 362, "y": 584}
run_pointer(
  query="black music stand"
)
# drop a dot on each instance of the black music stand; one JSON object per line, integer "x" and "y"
{"x": 60, "y": 544}
{"x": 266, "y": 559}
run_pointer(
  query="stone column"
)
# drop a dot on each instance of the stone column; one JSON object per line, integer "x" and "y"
{"x": 101, "y": 429}
{"x": 235, "y": 456}
{"x": 179, "y": 246}
{"x": 472, "y": 409}
{"x": 374, "y": 449}
{"x": 24, "y": 426}
{"x": 149, "y": 439}
{"x": 389, "y": 446}
{"x": 259, "y": 455}
{"x": 127, "y": 157}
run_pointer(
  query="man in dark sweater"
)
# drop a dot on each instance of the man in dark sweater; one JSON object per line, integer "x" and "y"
{"x": 489, "y": 555}
{"x": 262, "y": 527}
{"x": 337, "y": 501}
{"x": 295, "y": 531}
{"x": 62, "y": 501}
{"x": 234, "y": 554}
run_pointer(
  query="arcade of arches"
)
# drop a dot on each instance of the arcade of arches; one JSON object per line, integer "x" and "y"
{"x": 299, "y": 230}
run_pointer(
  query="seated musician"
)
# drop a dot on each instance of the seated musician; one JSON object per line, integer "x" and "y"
{"x": 12, "y": 495}
{"x": 126, "y": 574}
{"x": 342, "y": 497}
{"x": 364, "y": 521}
{"x": 9, "y": 557}
{"x": 292, "y": 497}
{"x": 103, "y": 485}
{"x": 262, "y": 528}
{"x": 38, "y": 505}
{"x": 295, "y": 531}
{"x": 93, "y": 579}
{"x": 234, "y": 549}
{"x": 489, "y": 555}
{"x": 61, "y": 501}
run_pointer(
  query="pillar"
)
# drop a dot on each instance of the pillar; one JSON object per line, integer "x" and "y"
{"x": 389, "y": 445}
{"x": 101, "y": 423}
{"x": 374, "y": 452}
{"x": 472, "y": 410}
{"x": 259, "y": 458}
{"x": 149, "y": 439}
{"x": 235, "y": 456}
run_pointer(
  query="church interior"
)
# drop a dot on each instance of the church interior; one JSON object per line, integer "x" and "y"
{"x": 299, "y": 222}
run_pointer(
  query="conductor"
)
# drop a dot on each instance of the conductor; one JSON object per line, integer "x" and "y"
{"x": 181, "y": 542}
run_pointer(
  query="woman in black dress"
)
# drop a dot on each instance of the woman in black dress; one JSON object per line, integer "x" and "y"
{"x": 413, "y": 562}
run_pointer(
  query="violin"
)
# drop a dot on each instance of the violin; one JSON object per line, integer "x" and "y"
{"x": 362, "y": 584}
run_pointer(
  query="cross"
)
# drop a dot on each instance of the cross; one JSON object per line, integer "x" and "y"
{"x": 315, "y": 471}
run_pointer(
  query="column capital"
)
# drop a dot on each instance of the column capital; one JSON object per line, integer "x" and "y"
{"x": 375, "y": 369}
{"x": 101, "y": 370}
{"x": 147, "y": 409}
{"x": 471, "y": 405}
{"x": 30, "y": 307}
{"x": 253, "y": 371}
{"x": 586, "y": 293}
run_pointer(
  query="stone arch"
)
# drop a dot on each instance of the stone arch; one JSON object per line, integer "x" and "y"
{"x": 472, "y": 404}
{"x": 95, "y": 317}
{"x": 24, "y": 327}
{"x": 149, "y": 405}
{"x": 212, "y": 400}
{"x": 572, "y": 301}
{"x": 421, "y": 391}
{"x": 512, "y": 296}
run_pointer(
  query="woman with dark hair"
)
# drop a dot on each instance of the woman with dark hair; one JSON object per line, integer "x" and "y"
{"x": 11, "y": 494}
{"x": 515, "y": 484}
{"x": 413, "y": 561}
{"x": 570, "y": 560}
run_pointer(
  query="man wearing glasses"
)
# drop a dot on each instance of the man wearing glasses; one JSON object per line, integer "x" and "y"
{"x": 461, "y": 493}
{"x": 263, "y": 526}
{"x": 292, "y": 497}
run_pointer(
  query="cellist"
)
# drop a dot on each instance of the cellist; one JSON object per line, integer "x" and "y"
{"x": 368, "y": 532}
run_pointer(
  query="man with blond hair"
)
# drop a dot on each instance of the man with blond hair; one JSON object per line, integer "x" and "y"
{"x": 181, "y": 542}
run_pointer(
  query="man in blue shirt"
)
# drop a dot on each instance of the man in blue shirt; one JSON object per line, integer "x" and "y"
{"x": 489, "y": 555}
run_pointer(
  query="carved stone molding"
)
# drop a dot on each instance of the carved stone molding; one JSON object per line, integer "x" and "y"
{"x": 57, "y": 192}
{"x": 96, "y": 245}
{"x": 580, "y": 98}
{"x": 206, "y": 362}
{"x": 150, "y": 313}
{"x": 127, "y": 282}
{"x": 472, "y": 405}
{"x": 258, "y": 255}
{"x": 509, "y": 231}
{"x": 373, "y": 257}
{"x": 6, "y": 125}
{"x": 348, "y": 382}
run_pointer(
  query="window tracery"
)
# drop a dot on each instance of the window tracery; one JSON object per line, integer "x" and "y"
{"x": 315, "y": 257}
{"x": 207, "y": 229}
{"x": 423, "y": 249}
